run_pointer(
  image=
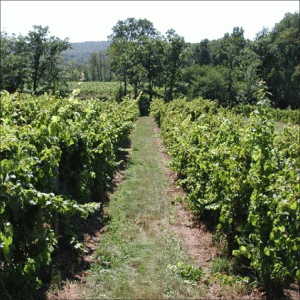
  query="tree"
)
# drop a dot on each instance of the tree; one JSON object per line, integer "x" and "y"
{"x": 137, "y": 74}
{"x": 119, "y": 53}
{"x": 54, "y": 71}
{"x": 86, "y": 76}
{"x": 202, "y": 53}
{"x": 36, "y": 42}
{"x": 32, "y": 61}
{"x": 279, "y": 53}
{"x": 73, "y": 70}
{"x": 93, "y": 62}
{"x": 104, "y": 67}
{"x": 101, "y": 65}
{"x": 266, "y": 52}
{"x": 150, "y": 55}
{"x": 206, "y": 81}
{"x": 126, "y": 60}
{"x": 227, "y": 55}
{"x": 246, "y": 83}
{"x": 285, "y": 37}
{"x": 174, "y": 50}
{"x": 131, "y": 30}
{"x": 14, "y": 63}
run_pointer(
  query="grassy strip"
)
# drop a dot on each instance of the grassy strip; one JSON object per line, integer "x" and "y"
{"x": 135, "y": 253}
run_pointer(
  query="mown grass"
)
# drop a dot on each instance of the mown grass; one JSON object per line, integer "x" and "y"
{"x": 135, "y": 253}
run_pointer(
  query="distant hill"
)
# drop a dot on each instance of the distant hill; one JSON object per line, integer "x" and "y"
{"x": 81, "y": 51}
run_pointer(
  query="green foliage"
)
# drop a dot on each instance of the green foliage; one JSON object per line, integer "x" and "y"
{"x": 139, "y": 55}
{"x": 206, "y": 81}
{"x": 278, "y": 50}
{"x": 231, "y": 280}
{"x": 202, "y": 53}
{"x": 132, "y": 29}
{"x": 174, "y": 53}
{"x": 14, "y": 63}
{"x": 57, "y": 158}
{"x": 144, "y": 105}
{"x": 96, "y": 68}
{"x": 244, "y": 175}
{"x": 97, "y": 90}
{"x": 219, "y": 265}
{"x": 157, "y": 109}
{"x": 33, "y": 63}
{"x": 120, "y": 60}
{"x": 228, "y": 69}
{"x": 246, "y": 82}
{"x": 215, "y": 82}
{"x": 130, "y": 39}
{"x": 187, "y": 272}
{"x": 272, "y": 57}
{"x": 276, "y": 114}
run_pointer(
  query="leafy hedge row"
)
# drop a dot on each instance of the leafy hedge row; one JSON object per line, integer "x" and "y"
{"x": 279, "y": 115}
{"x": 244, "y": 176}
{"x": 96, "y": 89}
{"x": 57, "y": 158}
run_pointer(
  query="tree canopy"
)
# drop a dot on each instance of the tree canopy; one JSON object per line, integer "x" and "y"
{"x": 273, "y": 56}
{"x": 141, "y": 56}
{"x": 33, "y": 62}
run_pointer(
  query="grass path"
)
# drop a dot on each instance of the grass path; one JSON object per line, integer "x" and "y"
{"x": 135, "y": 251}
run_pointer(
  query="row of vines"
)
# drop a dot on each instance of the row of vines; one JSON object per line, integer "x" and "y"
{"x": 58, "y": 156}
{"x": 279, "y": 115}
{"x": 244, "y": 176}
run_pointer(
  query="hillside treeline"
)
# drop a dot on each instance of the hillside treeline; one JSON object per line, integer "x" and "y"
{"x": 95, "y": 68}
{"x": 228, "y": 69}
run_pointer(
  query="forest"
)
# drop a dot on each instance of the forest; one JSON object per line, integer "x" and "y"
{"x": 228, "y": 69}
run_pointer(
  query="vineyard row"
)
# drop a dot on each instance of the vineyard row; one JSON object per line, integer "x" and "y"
{"x": 244, "y": 177}
{"x": 58, "y": 156}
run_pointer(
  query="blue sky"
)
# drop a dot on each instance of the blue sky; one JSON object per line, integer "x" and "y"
{"x": 93, "y": 20}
